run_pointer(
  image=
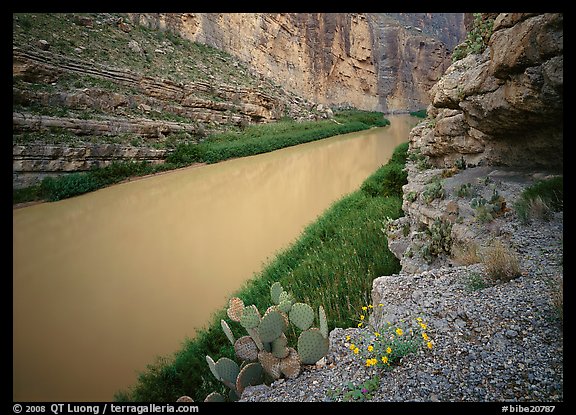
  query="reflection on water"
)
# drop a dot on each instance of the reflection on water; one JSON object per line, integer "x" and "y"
{"x": 107, "y": 281}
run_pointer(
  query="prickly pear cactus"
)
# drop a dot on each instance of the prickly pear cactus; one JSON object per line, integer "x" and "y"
{"x": 270, "y": 363}
{"x": 275, "y": 291}
{"x": 228, "y": 370}
{"x": 323, "y": 322}
{"x": 271, "y": 326}
{"x": 215, "y": 397}
{"x": 312, "y": 346}
{"x": 250, "y": 375}
{"x": 246, "y": 349}
{"x": 235, "y": 309}
{"x": 279, "y": 348}
{"x": 212, "y": 366}
{"x": 227, "y": 331}
{"x": 290, "y": 366}
{"x": 302, "y": 315}
{"x": 250, "y": 317}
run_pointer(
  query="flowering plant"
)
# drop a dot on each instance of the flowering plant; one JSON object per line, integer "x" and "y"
{"x": 385, "y": 346}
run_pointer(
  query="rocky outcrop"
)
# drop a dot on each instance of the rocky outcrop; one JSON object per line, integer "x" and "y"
{"x": 31, "y": 163}
{"x": 504, "y": 106}
{"x": 371, "y": 61}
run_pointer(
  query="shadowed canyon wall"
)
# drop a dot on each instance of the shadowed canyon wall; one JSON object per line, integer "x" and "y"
{"x": 383, "y": 62}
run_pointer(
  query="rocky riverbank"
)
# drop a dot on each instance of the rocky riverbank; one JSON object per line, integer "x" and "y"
{"x": 494, "y": 339}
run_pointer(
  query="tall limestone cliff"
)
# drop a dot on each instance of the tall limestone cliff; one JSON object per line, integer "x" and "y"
{"x": 381, "y": 62}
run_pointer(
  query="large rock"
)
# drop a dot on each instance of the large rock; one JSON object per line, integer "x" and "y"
{"x": 509, "y": 99}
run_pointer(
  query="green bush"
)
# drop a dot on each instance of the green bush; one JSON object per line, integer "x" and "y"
{"x": 67, "y": 186}
{"x": 420, "y": 113}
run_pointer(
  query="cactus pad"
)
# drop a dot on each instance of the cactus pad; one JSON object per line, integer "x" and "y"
{"x": 215, "y": 397}
{"x": 254, "y": 335}
{"x": 235, "y": 309}
{"x": 285, "y": 295}
{"x": 252, "y": 374}
{"x": 246, "y": 349}
{"x": 212, "y": 367}
{"x": 285, "y": 306}
{"x": 290, "y": 365}
{"x": 227, "y": 331}
{"x": 232, "y": 395}
{"x": 271, "y": 326}
{"x": 302, "y": 316}
{"x": 250, "y": 317}
{"x": 279, "y": 348}
{"x": 228, "y": 370}
{"x": 312, "y": 346}
{"x": 323, "y": 322}
{"x": 275, "y": 291}
{"x": 270, "y": 364}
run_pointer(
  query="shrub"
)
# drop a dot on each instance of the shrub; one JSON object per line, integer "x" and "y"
{"x": 476, "y": 39}
{"x": 420, "y": 113}
{"x": 501, "y": 262}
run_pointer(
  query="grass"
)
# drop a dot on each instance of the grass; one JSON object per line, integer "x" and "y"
{"x": 332, "y": 264}
{"x": 420, "y": 113}
{"x": 257, "y": 139}
{"x": 501, "y": 261}
{"x": 539, "y": 200}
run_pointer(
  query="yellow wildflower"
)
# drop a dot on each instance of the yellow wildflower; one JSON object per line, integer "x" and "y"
{"x": 380, "y": 305}
{"x": 347, "y": 337}
{"x": 389, "y": 350}
{"x": 385, "y": 360}
{"x": 359, "y": 324}
{"x": 424, "y": 326}
{"x": 362, "y": 317}
{"x": 370, "y": 306}
{"x": 376, "y": 334}
{"x": 419, "y": 319}
{"x": 425, "y": 336}
{"x": 429, "y": 344}
{"x": 370, "y": 348}
{"x": 368, "y": 362}
{"x": 352, "y": 346}
{"x": 356, "y": 350}
{"x": 399, "y": 331}
{"x": 364, "y": 308}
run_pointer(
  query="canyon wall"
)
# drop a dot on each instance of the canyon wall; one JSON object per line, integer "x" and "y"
{"x": 383, "y": 62}
{"x": 504, "y": 106}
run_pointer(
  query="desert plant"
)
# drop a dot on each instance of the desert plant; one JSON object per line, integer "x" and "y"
{"x": 265, "y": 351}
{"x": 432, "y": 191}
{"x": 465, "y": 253}
{"x": 476, "y": 39}
{"x": 500, "y": 261}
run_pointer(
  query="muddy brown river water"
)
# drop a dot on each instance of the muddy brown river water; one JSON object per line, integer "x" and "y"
{"x": 105, "y": 282}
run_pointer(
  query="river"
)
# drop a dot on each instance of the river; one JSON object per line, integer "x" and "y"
{"x": 105, "y": 282}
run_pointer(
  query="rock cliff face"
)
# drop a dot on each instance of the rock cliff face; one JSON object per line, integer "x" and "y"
{"x": 371, "y": 61}
{"x": 494, "y": 127}
{"x": 505, "y": 106}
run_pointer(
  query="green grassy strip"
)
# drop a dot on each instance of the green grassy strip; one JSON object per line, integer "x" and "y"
{"x": 420, "y": 113}
{"x": 253, "y": 140}
{"x": 269, "y": 137}
{"x": 332, "y": 264}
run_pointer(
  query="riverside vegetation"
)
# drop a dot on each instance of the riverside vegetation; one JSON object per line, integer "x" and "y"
{"x": 239, "y": 142}
{"x": 331, "y": 265}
